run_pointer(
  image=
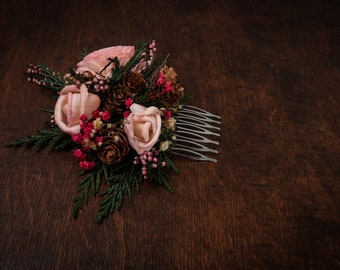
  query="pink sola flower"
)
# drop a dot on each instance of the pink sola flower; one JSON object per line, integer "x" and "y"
{"x": 78, "y": 153}
{"x": 106, "y": 116}
{"x": 78, "y": 138}
{"x": 87, "y": 128}
{"x": 167, "y": 114}
{"x": 99, "y": 139}
{"x": 86, "y": 165}
{"x": 128, "y": 102}
{"x": 160, "y": 79}
{"x": 168, "y": 87}
{"x": 83, "y": 118}
{"x": 96, "y": 114}
{"x": 126, "y": 114}
{"x": 87, "y": 131}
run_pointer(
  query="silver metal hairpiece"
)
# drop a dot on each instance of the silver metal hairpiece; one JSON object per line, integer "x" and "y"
{"x": 196, "y": 130}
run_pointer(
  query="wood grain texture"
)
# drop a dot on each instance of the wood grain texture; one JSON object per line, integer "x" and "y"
{"x": 271, "y": 69}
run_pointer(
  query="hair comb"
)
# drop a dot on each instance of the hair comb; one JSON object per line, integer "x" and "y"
{"x": 195, "y": 129}
{"x": 123, "y": 116}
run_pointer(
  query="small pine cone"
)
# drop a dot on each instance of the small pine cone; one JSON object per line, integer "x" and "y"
{"x": 135, "y": 82}
{"x": 114, "y": 147}
{"x": 115, "y": 99}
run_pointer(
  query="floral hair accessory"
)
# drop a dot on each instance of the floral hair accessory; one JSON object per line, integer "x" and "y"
{"x": 124, "y": 117}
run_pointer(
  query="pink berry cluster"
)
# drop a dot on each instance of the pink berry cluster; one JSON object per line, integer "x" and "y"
{"x": 89, "y": 137}
{"x": 36, "y": 75}
{"x": 163, "y": 87}
{"x": 149, "y": 160}
{"x": 33, "y": 73}
{"x": 44, "y": 76}
{"x": 83, "y": 163}
{"x": 99, "y": 83}
{"x": 151, "y": 52}
{"x": 167, "y": 114}
{"x": 152, "y": 49}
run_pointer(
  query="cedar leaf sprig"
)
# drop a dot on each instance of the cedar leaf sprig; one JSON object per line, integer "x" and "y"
{"x": 53, "y": 139}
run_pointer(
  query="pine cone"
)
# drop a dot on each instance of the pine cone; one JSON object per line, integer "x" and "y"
{"x": 114, "y": 147}
{"x": 115, "y": 99}
{"x": 135, "y": 82}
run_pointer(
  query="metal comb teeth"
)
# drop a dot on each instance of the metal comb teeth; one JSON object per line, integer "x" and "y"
{"x": 195, "y": 129}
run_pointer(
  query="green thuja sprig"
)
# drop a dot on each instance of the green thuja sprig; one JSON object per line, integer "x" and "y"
{"x": 84, "y": 53}
{"x": 120, "y": 178}
{"x": 123, "y": 176}
{"x": 120, "y": 181}
{"x": 45, "y": 77}
{"x": 53, "y": 139}
{"x": 161, "y": 173}
{"x": 91, "y": 181}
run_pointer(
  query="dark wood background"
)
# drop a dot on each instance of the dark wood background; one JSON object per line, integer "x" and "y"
{"x": 271, "y": 69}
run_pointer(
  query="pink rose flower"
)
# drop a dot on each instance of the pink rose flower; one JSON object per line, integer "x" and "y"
{"x": 143, "y": 127}
{"x": 97, "y": 60}
{"x": 71, "y": 104}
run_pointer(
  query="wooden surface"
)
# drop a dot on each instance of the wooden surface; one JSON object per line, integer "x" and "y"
{"x": 271, "y": 69}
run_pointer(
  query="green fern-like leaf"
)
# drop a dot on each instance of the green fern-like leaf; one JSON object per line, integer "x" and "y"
{"x": 91, "y": 181}
{"x": 53, "y": 139}
{"x": 162, "y": 175}
{"x": 114, "y": 199}
{"x": 48, "y": 78}
{"x": 120, "y": 180}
